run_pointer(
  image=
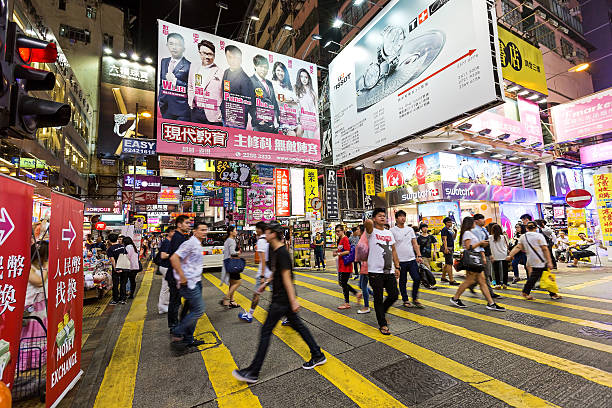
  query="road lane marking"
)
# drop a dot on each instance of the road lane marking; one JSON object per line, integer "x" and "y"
{"x": 590, "y": 373}
{"x": 567, "y": 319}
{"x": 219, "y": 364}
{"x": 518, "y": 326}
{"x": 589, "y": 283}
{"x": 352, "y": 384}
{"x": 117, "y": 388}
{"x": 483, "y": 382}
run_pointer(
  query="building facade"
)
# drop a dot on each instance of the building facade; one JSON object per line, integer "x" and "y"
{"x": 597, "y": 27}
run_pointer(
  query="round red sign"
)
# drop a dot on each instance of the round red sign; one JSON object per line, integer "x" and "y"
{"x": 100, "y": 226}
{"x": 578, "y": 198}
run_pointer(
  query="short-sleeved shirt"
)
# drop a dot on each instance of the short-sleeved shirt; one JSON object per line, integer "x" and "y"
{"x": 264, "y": 247}
{"x": 280, "y": 261}
{"x": 473, "y": 241}
{"x": 450, "y": 237}
{"x": 425, "y": 244}
{"x": 344, "y": 245}
{"x": 403, "y": 243}
{"x": 165, "y": 247}
{"x": 536, "y": 240}
{"x": 177, "y": 240}
{"x": 192, "y": 261}
{"x": 380, "y": 258}
{"x": 115, "y": 250}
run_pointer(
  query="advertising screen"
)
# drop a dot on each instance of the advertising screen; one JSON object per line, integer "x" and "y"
{"x": 566, "y": 180}
{"x": 418, "y": 64}
{"x": 224, "y": 99}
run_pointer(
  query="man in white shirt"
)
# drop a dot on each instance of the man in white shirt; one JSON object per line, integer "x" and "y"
{"x": 538, "y": 257}
{"x": 381, "y": 260}
{"x": 263, "y": 272}
{"x": 187, "y": 263}
{"x": 409, "y": 255}
{"x": 204, "y": 88}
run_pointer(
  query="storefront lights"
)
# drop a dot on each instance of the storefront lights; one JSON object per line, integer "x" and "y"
{"x": 402, "y": 152}
{"x": 523, "y": 92}
{"x": 379, "y": 161}
{"x": 123, "y": 55}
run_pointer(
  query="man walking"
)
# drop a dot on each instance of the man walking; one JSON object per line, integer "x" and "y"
{"x": 381, "y": 259}
{"x": 264, "y": 274}
{"x": 409, "y": 255}
{"x": 119, "y": 275}
{"x": 164, "y": 265}
{"x": 187, "y": 263}
{"x": 481, "y": 233}
{"x": 284, "y": 303}
{"x": 448, "y": 247}
{"x": 181, "y": 234}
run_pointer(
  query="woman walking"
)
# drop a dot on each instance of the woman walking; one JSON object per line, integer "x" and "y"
{"x": 230, "y": 250}
{"x": 132, "y": 254}
{"x": 499, "y": 251}
{"x": 520, "y": 258}
{"x": 470, "y": 242}
{"x": 344, "y": 269}
{"x": 319, "y": 251}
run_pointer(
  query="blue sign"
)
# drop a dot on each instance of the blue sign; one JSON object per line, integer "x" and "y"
{"x": 139, "y": 147}
{"x": 228, "y": 197}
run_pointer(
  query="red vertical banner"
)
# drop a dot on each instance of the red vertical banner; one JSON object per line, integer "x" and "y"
{"x": 15, "y": 235}
{"x": 281, "y": 184}
{"x": 65, "y": 299}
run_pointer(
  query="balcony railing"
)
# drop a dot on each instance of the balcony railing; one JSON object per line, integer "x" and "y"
{"x": 563, "y": 14}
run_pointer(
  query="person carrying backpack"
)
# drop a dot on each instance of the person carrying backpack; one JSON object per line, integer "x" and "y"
{"x": 345, "y": 266}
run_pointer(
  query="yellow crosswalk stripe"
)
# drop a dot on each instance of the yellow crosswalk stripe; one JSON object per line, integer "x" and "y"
{"x": 567, "y": 319}
{"x": 590, "y": 373}
{"x": 117, "y": 388}
{"x": 352, "y": 384}
{"x": 487, "y": 384}
{"x": 518, "y": 326}
{"x": 219, "y": 364}
{"x": 589, "y": 283}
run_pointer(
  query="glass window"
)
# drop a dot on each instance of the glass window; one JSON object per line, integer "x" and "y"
{"x": 546, "y": 37}
{"x": 90, "y": 12}
{"x": 62, "y": 4}
{"x": 567, "y": 48}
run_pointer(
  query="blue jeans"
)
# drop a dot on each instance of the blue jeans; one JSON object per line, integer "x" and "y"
{"x": 413, "y": 268}
{"x": 520, "y": 258}
{"x": 363, "y": 284}
{"x": 187, "y": 325}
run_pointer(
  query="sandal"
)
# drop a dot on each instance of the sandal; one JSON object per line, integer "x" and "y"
{"x": 222, "y": 303}
{"x": 407, "y": 304}
{"x": 343, "y": 307}
{"x": 233, "y": 305}
{"x": 556, "y": 297}
{"x": 384, "y": 330}
{"x": 528, "y": 297}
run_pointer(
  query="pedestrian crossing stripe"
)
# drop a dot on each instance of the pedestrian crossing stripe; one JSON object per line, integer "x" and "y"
{"x": 117, "y": 388}
{"x": 219, "y": 363}
{"x": 590, "y": 373}
{"x": 348, "y": 381}
{"x": 589, "y": 283}
{"x": 483, "y": 382}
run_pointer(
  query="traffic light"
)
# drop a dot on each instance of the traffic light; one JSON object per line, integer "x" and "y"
{"x": 27, "y": 113}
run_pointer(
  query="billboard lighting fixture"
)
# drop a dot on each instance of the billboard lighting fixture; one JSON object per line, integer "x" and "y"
{"x": 484, "y": 132}
{"x": 123, "y": 54}
{"x": 498, "y": 156}
{"x": 222, "y": 5}
{"x": 360, "y": 167}
{"x": 513, "y": 158}
{"x": 503, "y": 136}
{"x": 254, "y": 18}
{"x": 402, "y": 152}
{"x": 135, "y": 56}
{"x": 521, "y": 140}
{"x": 337, "y": 23}
{"x": 528, "y": 161}
{"x": 523, "y": 92}
{"x": 536, "y": 144}
{"x": 458, "y": 148}
{"x": 464, "y": 126}
{"x": 478, "y": 152}
{"x": 107, "y": 50}
{"x": 513, "y": 88}
{"x": 379, "y": 160}
{"x": 358, "y": 2}
{"x": 148, "y": 60}
{"x": 316, "y": 37}
{"x": 287, "y": 27}
{"x": 543, "y": 100}
{"x": 533, "y": 97}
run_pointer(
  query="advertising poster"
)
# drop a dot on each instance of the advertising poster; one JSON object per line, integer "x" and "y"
{"x": 603, "y": 194}
{"x": 413, "y": 67}
{"x": 566, "y": 180}
{"x": 297, "y": 191}
{"x": 175, "y": 162}
{"x": 15, "y": 239}
{"x": 584, "y": 117}
{"x": 281, "y": 184}
{"x": 596, "y": 153}
{"x": 169, "y": 195}
{"x": 370, "y": 188}
{"x": 419, "y": 171}
{"x": 301, "y": 244}
{"x": 331, "y": 195}
{"x": 510, "y": 214}
{"x": 240, "y": 202}
{"x": 260, "y": 204}
{"x": 440, "y": 209}
{"x": 228, "y": 197}
{"x": 141, "y": 183}
{"x": 576, "y": 223}
{"x": 265, "y": 174}
{"x": 125, "y": 86}
{"x": 232, "y": 174}
{"x": 225, "y": 99}
{"x": 65, "y": 296}
{"x": 476, "y": 170}
{"x": 198, "y": 204}
{"x": 311, "y": 187}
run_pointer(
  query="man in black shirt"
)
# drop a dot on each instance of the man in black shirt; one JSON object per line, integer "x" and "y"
{"x": 181, "y": 235}
{"x": 164, "y": 265}
{"x": 119, "y": 276}
{"x": 284, "y": 303}
{"x": 448, "y": 247}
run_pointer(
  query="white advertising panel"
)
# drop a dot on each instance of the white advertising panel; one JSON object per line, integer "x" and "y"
{"x": 418, "y": 64}
{"x": 297, "y": 191}
{"x": 219, "y": 98}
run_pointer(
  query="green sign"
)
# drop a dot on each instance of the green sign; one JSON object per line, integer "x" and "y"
{"x": 240, "y": 197}
{"x": 198, "y": 204}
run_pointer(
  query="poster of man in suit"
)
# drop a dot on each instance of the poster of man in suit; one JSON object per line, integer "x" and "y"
{"x": 174, "y": 75}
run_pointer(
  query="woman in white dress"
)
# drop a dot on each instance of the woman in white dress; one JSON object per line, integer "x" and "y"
{"x": 308, "y": 103}
{"x": 287, "y": 100}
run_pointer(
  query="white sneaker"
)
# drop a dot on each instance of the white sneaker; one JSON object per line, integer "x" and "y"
{"x": 363, "y": 311}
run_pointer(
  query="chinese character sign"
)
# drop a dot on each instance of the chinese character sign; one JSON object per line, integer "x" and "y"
{"x": 369, "y": 184}
{"x": 141, "y": 183}
{"x": 311, "y": 187}
{"x": 260, "y": 204}
{"x": 281, "y": 182}
{"x": 65, "y": 296}
{"x": 301, "y": 244}
{"x": 15, "y": 216}
{"x": 224, "y": 99}
{"x": 603, "y": 193}
{"x": 232, "y": 174}
{"x": 331, "y": 195}
{"x": 584, "y": 117}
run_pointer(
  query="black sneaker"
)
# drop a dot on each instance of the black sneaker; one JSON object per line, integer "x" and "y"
{"x": 496, "y": 307}
{"x": 178, "y": 345}
{"x": 315, "y": 361}
{"x": 457, "y": 302}
{"x": 443, "y": 280}
{"x": 195, "y": 343}
{"x": 122, "y": 302}
{"x": 472, "y": 291}
{"x": 245, "y": 375}
{"x": 454, "y": 283}
{"x": 113, "y": 302}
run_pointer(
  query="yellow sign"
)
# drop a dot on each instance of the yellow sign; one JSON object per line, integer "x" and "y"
{"x": 603, "y": 194}
{"x": 311, "y": 187}
{"x": 369, "y": 184}
{"x": 576, "y": 223}
{"x": 522, "y": 63}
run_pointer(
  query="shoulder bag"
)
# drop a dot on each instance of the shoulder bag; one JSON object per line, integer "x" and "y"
{"x": 123, "y": 262}
{"x": 472, "y": 260}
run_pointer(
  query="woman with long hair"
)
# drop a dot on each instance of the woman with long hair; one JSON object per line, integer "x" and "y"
{"x": 132, "y": 254}
{"x": 308, "y": 103}
{"x": 230, "y": 249}
{"x": 287, "y": 100}
{"x": 470, "y": 242}
{"x": 499, "y": 251}
{"x": 343, "y": 248}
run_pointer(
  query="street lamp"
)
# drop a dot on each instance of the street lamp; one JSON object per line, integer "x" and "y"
{"x": 222, "y": 6}
{"x": 360, "y": 2}
{"x": 314, "y": 37}
{"x": 286, "y": 27}
{"x": 576, "y": 68}
{"x": 339, "y": 23}
{"x": 246, "y": 36}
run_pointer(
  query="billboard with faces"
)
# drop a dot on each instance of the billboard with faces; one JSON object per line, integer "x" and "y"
{"x": 224, "y": 99}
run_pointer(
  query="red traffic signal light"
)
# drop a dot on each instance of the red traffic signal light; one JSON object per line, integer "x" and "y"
{"x": 48, "y": 54}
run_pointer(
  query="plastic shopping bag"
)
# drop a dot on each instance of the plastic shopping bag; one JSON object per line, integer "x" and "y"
{"x": 362, "y": 249}
{"x": 548, "y": 282}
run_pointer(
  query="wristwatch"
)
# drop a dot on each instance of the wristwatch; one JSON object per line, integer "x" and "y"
{"x": 387, "y": 56}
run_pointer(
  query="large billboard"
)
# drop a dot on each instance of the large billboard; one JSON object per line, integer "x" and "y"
{"x": 224, "y": 99}
{"x": 125, "y": 86}
{"x": 418, "y": 64}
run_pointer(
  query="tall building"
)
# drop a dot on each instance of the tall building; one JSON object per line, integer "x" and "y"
{"x": 597, "y": 27}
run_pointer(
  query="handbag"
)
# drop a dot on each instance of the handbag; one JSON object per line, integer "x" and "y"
{"x": 472, "y": 261}
{"x": 123, "y": 262}
{"x": 234, "y": 265}
{"x": 350, "y": 257}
